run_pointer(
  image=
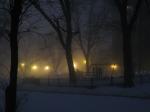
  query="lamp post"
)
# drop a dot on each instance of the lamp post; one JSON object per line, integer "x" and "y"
{"x": 114, "y": 68}
{"x": 22, "y": 69}
{"x": 47, "y": 71}
{"x": 22, "y": 66}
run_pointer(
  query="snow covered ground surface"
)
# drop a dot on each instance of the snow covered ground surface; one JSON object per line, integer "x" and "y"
{"x": 139, "y": 91}
{"x": 102, "y": 99}
{"x": 46, "y": 102}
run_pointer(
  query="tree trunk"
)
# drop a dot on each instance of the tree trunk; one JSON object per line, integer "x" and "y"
{"x": 69, "y": 59}
{"x": 11, "y": 89}
{"x": 127, "y": 59}
{"x": 10, "y": 101}
{"x": 87, "y": 63}
{"x": 67, "y": 13}
{"x": 127, "y": 47}
{"x": 127, "y": 51}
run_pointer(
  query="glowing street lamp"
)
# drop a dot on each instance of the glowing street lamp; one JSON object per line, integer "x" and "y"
{"x": 75, "y": 65}
{"x": 114, "y": 67}
{"x": 84, "y": 62}
{"x": 22, "y": 68}
{"x": 34, "y": 67}
{"x": 46, "y": 68}
{"x": 22, "y": 64}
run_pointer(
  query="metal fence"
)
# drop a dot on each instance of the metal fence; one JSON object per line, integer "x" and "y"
{"x": 88, "y": 81}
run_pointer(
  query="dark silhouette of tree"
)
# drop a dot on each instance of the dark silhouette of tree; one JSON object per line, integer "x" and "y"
{"x": 64, "y": 34}
{"x": 91, "y": 39}
{"x": 66, "y": 8}
{"x": 147, "y": 2}
{"x": 129, "y": 11}
{"x": 15, "y": 13}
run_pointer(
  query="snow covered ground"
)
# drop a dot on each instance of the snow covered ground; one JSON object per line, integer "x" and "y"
{"x": 139, "y": 91}
{"x": 101, "y": 99}
{"x": 46, "y": 102}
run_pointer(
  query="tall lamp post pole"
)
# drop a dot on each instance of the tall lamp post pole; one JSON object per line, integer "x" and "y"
{"x": 114, "y": 68}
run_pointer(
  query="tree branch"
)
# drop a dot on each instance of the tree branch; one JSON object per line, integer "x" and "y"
{"x": 135, "y": 13}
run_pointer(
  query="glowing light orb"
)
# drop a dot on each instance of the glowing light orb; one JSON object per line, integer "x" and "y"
{"x": 75, "y": 65}
{"x": 46, "y": 68}
{"x": 22, "y": 64}
{"x": 34, "y": 67}
{"x": 114, "y": 66}
{"x": 84, "y": 61}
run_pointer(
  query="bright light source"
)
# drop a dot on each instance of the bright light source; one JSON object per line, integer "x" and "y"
{"x": 75, "y": 65}
{"x": 114, "y": 66}
{"x": 84, "y": 61}
{"x": 34, "y": 67}
{"x": 46, "y": 68}
{"x": 22, "y": 64}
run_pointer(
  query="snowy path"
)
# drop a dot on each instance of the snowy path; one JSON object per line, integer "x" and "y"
{"x": 42, "y": 102}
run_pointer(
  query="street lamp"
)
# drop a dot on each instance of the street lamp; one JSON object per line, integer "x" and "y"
{"x": 114, "y": 68}
{"x": 34, "y": 67}
{"x": 22, "y": 69}
{"x": 84, "y": 62}
{"x": 46, "y": 68}
{"x": 22, "y": 64}
{"x": 75, "y": 65}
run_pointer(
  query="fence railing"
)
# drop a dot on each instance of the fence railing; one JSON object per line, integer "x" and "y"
{"x": 89, "y": 81}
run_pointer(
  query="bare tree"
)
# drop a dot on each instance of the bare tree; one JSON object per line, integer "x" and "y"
{"x": 89, "y": 39}
{"x": 129, "y": 12}
{"x": 16, "y": 11}
{"x": 64, "y": 32}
